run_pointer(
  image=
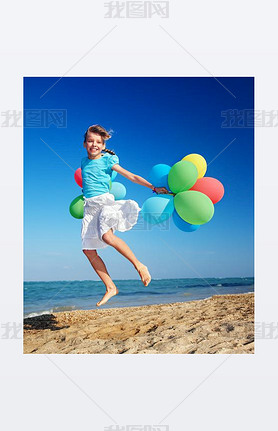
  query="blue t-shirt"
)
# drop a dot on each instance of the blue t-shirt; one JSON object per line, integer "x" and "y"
{"x": 96, "y": 174}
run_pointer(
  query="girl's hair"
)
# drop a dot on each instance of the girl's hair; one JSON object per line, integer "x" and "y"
{"x": 103, "y": 133}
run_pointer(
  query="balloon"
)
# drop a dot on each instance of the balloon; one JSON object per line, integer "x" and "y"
{"x": 114, "y": 174}
{"x": 194, "y": 207}
{"x": 183, "y": 225}
{"x": 157, "y": 209}
{"x": 159, "y": 174}
{"x": 118, "y": 190}
{"x": 182, "y": 176}
{"x": 210, "y": 187}
{"x": 77, "y": 207}
{"x": 199, "y": 162}
{"x": 78, "y": 177}
{"x": 110, "y": 184}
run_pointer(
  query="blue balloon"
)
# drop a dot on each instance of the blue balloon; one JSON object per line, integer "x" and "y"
{"x": 118, "y": 190}
{"x": 182, "y": 224}
{"x": 159, "y": 175}
{"x": 158, "y": 209}
{"x": 113, "y": 176}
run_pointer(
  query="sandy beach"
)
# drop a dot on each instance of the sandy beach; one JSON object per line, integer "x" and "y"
{"x": 220, "y": 324}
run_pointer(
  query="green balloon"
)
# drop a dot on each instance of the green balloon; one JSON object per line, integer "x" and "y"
{"x": 110, "y": 184}
{"x": 194, "y": 207}
{"x": 182, "y": 176}
{"x": 77, "y": 207}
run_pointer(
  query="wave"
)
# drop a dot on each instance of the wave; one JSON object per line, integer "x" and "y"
{"x": 208, "y": 284}
{"x": 50, "y": 311}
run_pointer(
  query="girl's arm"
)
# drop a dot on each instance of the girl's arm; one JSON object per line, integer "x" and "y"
{"x": 137, "y": 179}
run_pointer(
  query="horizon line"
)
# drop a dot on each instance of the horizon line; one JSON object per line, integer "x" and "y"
{"x": 135, "y": 279}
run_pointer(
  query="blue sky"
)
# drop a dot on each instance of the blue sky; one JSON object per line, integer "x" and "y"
{"x": 155, "y": 120}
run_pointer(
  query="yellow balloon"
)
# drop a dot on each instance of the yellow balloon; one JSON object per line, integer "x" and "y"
{"x": 199, "y": 162}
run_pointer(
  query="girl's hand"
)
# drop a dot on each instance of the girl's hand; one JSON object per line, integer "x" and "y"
{"x": 161, "y": 190}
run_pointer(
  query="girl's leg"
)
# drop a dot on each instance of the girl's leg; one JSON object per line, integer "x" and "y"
{"x": 116, "y": 242}
{"x": 101, "y": 270}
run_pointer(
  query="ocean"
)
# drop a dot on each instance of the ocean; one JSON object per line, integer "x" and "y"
{"x": 43, "y": 297}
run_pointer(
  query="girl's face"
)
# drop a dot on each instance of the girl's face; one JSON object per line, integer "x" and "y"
{"x": 94, "y": 145}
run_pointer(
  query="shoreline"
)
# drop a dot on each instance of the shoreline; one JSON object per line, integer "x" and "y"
{"x": 217, "y": 324}
{"x": 61, "y": 309}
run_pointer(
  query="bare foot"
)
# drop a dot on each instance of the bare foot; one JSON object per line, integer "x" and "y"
{"x": 109, "y": 293}
{"x": 144, "y": 274}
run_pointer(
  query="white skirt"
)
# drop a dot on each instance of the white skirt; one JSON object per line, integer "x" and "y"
{"x": 103, "y": 212}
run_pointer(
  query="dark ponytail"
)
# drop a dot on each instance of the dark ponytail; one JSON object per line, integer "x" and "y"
{"x": 109, "y": 151}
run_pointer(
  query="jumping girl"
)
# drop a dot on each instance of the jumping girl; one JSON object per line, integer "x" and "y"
{"x": 102, "y": 214}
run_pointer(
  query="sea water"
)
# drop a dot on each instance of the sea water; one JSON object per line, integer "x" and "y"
{"x": 41, "y": 297}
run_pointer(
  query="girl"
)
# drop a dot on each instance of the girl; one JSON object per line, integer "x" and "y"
{"x": 102, "y": 214}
